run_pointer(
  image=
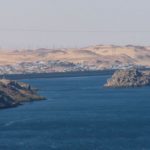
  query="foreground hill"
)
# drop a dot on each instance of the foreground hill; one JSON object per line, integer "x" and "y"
{"x": 14, "y": 93}
{"x": 97, "y": 57}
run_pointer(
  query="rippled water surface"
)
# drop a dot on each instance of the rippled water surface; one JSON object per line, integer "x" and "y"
{"x": 79, "y": 115}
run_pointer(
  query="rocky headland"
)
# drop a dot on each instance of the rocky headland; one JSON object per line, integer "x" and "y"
{"x": 14, "y": 93}
{"x": 129, "y": 78}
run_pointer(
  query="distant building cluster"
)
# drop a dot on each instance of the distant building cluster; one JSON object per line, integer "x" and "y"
{"x": 59, "y": 66}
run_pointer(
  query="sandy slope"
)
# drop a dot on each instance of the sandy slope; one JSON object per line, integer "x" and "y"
{"x": 102, "y": 55}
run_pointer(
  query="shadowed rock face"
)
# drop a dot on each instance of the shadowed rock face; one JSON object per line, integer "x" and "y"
{"x": 129, "y": 78}
{"x": 13, "y": 93}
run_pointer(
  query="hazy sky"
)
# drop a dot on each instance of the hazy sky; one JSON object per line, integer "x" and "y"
{"x": 73, "y": 23}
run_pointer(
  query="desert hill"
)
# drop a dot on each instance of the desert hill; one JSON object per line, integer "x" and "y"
{"x": 97, "y": 57}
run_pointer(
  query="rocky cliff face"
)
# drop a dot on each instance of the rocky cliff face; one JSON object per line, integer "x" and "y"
{"x": 14, "y": 93}
{"x": 129, "y": 78}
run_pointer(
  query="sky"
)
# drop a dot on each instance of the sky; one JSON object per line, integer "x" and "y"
{"x": 73, "y": 23}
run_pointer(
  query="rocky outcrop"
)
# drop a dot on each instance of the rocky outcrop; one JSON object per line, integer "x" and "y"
{"x": 14, "y": 93}
{"x": 129, "y": 78}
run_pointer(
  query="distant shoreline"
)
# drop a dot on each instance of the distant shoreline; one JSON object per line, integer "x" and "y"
{"x": 57, "y": 74}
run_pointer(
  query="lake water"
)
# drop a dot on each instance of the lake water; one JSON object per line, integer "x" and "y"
{"x": 79, "y": 115}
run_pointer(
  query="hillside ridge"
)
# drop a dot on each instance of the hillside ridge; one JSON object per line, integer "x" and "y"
{"x": 98, "y": 57}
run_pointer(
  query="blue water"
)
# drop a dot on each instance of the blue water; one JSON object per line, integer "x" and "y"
{"x": 79, "y": 115}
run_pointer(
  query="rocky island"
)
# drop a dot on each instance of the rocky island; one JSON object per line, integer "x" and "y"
{"x": 14, "y": 93}
{"x": 128, "y": 78}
